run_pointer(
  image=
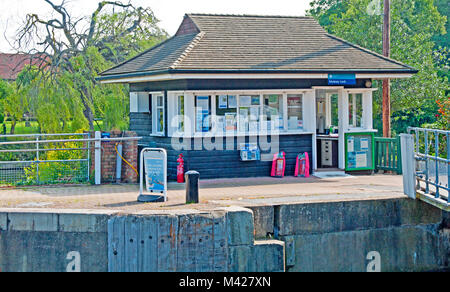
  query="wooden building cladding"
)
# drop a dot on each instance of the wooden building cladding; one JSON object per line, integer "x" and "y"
{"x": 226, "y": 163}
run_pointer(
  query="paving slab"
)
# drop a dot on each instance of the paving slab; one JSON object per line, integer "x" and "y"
{"x": 213, "y": 194}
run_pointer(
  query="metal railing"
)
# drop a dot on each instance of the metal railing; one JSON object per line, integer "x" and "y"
{"x": 432, "y": 155}
{"x": 388, "y": 154}
{"x": 34, "y": 159}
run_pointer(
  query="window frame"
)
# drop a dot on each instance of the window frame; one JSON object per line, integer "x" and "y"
{"x": 190, "y": 100}
{"x": 155, "y": 116}
{"x": 352, "y": 103}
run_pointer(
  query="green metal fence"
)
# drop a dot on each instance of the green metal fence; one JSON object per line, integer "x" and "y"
{"x": 388, "y": 155}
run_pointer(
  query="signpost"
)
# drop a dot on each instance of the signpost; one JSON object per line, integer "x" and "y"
{"x": 154, "y": 170}
{"x": 341, "y": 79}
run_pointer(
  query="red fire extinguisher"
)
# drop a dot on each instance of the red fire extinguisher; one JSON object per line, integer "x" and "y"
{"x": 278, "y": 165}
{"x": 180, "y": 169}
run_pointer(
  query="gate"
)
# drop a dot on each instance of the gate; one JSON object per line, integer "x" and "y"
{"x": 37, "y": 159}
{"x": 388, "y": 156}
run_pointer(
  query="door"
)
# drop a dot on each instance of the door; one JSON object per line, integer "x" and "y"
{"x": 327, "y": 125}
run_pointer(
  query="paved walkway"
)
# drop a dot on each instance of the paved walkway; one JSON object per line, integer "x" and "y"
{"x": 213, "y": 193}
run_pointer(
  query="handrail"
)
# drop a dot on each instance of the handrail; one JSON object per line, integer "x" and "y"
{"x": 43, "y": 135}
{"x": 440, "y": 162}
{"x": 71, "y": 140}
{"x": 84, "y": 141}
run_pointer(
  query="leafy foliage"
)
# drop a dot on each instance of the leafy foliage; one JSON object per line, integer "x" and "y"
{"x": 414, "y": 25}
{"x": 62, "y": 91}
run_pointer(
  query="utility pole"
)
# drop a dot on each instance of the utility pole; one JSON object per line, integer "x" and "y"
{"x": 386, "y": 82}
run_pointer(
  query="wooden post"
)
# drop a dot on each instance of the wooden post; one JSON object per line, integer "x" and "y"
{"x": 386, "y": 82}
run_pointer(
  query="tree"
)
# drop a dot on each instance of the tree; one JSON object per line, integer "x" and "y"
{"x": 414, "y": 23}
{"x": 13, "y": 102}
{"x": 73, "y": 51}
{"x": 5, "y": 90}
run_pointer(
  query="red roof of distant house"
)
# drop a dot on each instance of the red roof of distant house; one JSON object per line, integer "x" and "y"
{"x": 12, "y": 64}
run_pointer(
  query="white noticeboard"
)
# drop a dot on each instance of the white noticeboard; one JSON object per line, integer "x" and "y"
{"x": 154, "y": 170}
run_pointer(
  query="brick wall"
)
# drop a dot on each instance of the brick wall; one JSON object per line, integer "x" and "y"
{"x": 109, "y": 158}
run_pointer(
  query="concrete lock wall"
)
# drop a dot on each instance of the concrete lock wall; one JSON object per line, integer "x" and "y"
{"x": 380, "y": 235}
{"x": 190, "y": 241}
{"x": 358, "y": 236}
{"x": 60, "y": 241}
{"x": 185, "y": 241}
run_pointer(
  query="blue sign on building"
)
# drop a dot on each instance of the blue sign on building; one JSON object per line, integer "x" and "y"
{"x": 341, "y": 79}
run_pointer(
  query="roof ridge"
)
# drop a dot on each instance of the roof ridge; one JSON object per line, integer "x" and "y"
{"x": 188, "y": 49}
{"x": 369, "y": 51}
{"x": 248, "y": 15}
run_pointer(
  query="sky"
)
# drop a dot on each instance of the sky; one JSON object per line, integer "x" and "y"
{"x": 169, "y": 12}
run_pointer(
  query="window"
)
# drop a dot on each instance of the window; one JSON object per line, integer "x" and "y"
{"x": 202, "y": 114}
{"x": 295, "y": 111}
{"x": 139, "y": 102}
{"x": 355, "y": 110}
{"x": 180, "y": 112}
{"x": 229, "y": 113}
{"x": 249, "y": 113}
{"x": 273, "y": 112}
{"x": 226, "y": 109}
{"x": 158, "y": 114}
{"x": 334, "y": 108}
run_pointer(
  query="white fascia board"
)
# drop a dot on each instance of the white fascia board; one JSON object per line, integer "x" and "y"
{"x": 248, "y": 91}
{"x": 164, "y": 77}
{"x": 384, "y": 76}
{"x": 360, "y": 90}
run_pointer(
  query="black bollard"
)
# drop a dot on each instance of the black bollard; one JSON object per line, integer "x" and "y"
{"x": 192, "y": 178}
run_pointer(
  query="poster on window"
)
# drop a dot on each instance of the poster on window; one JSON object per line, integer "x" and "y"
{"x": 294, "y": 102}
{"x": 254, "y": 113}
{"x": 202, "y": 120}
{"x": 220, "y": 123}
{"x": 245, "y": 101}
{"x": 230, "y": 122}
{"x": 253, "y": 126}
{"x": 255, "y": 100}
{"x": 203, "y": 102}
{"x": 223, "y": 101}
{"x": 232, "y": 101}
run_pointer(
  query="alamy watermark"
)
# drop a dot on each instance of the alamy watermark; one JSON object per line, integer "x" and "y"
{"x": 212, "y": 135}
{"x": 374, "y": 264}
{"x": 375, "y": 8}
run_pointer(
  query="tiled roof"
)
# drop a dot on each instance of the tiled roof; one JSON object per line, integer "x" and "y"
{"x": 12, "y": 64}
{"x": 260, "y": 43}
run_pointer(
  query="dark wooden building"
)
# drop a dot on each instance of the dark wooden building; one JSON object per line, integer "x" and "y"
{"x": 225, "y": 83}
